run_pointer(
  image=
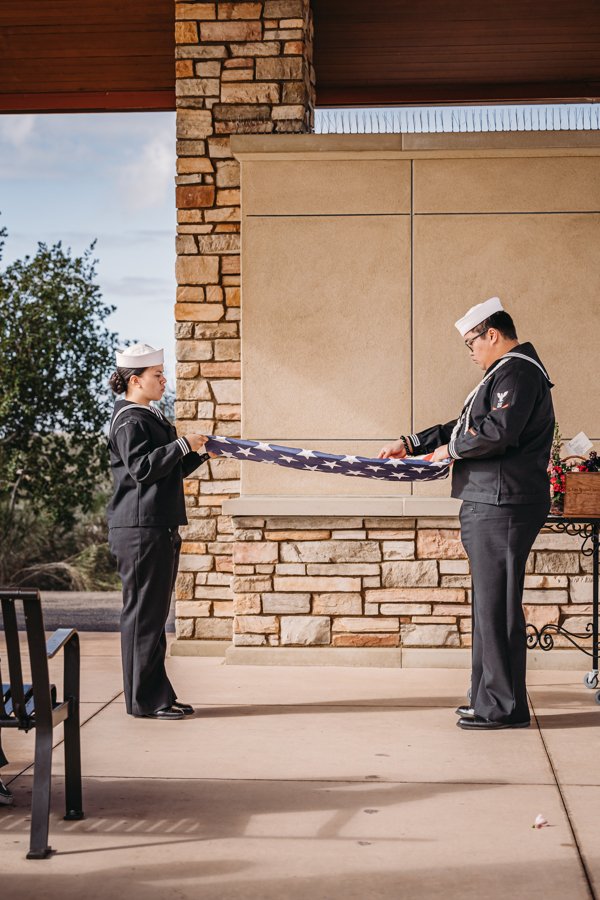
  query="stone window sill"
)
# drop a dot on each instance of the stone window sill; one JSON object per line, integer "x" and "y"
{"x": 266, "y": 505}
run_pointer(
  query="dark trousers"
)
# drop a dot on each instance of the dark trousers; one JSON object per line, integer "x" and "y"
{"x": 498, "y": 540}
{"x": 147, "y": 560}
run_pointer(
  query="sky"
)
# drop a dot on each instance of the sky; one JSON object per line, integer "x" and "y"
{"x": 107, "y": 177}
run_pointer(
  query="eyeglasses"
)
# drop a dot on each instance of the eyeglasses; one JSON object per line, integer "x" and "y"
{"x": 471, "y": 341}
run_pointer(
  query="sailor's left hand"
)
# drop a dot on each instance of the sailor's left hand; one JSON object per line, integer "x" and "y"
{"x": 197, "y": 441}
{"x": 440, "y": 454}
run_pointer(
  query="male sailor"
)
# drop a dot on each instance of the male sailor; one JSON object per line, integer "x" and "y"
{"x": 501, "y": 445}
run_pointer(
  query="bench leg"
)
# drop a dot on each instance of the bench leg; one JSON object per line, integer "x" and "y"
{"x": 40, "y": 804}
{"x": 73, "y": 792}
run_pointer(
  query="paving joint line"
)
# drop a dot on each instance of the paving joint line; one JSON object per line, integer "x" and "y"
{"x": 306, "y": 708}
{"x": 586, "y": 873}
{"x": 358, "y": 780}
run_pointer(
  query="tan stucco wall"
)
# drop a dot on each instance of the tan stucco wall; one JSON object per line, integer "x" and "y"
{"x": 358, "y": 254}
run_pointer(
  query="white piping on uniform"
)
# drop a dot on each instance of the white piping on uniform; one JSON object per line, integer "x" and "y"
{"x": 180, "y": 441}
{"x": 185, "y": 447}
{"x": 528, "y": 359}
{"x": 123, "y": 409}
{"x": 465, "y": 416}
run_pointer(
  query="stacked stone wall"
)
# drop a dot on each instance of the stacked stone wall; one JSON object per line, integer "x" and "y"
{"x": 241, "y": 68}
{"x": 373, "y": 582}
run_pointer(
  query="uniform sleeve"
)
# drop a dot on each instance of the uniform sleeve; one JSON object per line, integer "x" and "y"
{"x": 144, "y": 463}
{"x": 430, "y": 438}
{"x": 191, "y": 461}
{"x": 513, "y": 397}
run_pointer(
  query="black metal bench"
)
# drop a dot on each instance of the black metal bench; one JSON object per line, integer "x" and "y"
{"x": 35, "y": 705}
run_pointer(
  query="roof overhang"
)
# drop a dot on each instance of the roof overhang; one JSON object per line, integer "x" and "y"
{"x": 67, "y": 56}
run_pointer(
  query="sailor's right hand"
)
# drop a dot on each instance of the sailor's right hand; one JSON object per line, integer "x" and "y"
{"x": 397, "y": 450}
{"x": 196, "y": 441}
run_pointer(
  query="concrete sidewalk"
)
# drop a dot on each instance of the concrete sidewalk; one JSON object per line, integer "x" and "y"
{"x": 318, "y": 783}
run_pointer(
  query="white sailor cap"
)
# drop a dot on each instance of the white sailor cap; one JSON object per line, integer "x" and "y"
{"x": 139, "y": 356}
{"x": 478, "y": 314}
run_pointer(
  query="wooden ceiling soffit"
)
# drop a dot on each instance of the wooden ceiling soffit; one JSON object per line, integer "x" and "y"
{"x": 73, "y": 56}
{"x": 69, "y": 55}
{"x": 456, "y": 51}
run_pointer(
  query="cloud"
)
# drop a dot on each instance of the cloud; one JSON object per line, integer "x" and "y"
{"x": 42, "y": 147}
{"x": 71, "y": 147}
{"x": 80, "y": 240}
{"x": 164, "y": 237}
{"x": 16, "y": 130}
{"x": 147, "y": 180}
{"x": 134, "y": 286}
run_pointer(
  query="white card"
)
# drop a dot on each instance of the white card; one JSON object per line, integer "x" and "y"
{"x": 580, "y": 444}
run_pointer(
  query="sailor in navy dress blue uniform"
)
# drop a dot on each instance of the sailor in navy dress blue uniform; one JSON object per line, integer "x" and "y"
{"x": 149, "y": 462}
{"x": 501, "y": 445}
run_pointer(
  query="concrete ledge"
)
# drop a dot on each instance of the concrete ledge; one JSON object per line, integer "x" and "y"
{"x": 385, "y": 657}
{"x": 413, "y": 146}
{"x": 460, "y": 658}
{"x": 267, "y": 505}
{"x": 388, "y": 657}
{"x": 199, "y": 648}
{"x": 558, "y": 659}
{"x": 431, "y": 506}
{"x": 369, "y": 657}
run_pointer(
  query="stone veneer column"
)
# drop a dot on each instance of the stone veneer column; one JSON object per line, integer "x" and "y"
{"x": 242, "y": 68}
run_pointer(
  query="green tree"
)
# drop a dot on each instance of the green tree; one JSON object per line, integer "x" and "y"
{"x": 55, "y": 352}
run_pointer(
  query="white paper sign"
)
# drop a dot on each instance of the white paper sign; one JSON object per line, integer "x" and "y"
{"x": 580, "y": 444}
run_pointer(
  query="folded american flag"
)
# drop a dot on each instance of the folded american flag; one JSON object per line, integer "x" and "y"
{"x": 413, "y": 468}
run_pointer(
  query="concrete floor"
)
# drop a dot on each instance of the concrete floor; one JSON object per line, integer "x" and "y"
{"x": 318, "y": 783}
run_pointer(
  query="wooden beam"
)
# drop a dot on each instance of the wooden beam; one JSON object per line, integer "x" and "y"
{"x": 449, "y": 94}
{"x": 456, "y": 51}
{"x": 81, "y": 101}
{"x": 74, "y": 56}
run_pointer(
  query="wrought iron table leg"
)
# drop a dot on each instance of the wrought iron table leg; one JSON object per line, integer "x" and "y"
{"x": 595, "y": 595}
{"x": 543, "y": 637}
{"x": 591, "y": 679}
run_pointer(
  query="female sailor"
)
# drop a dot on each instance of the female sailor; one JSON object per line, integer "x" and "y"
{"x": 149, "y": 462}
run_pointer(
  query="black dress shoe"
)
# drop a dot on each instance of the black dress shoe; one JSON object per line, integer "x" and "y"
{"x": 169, "y": 712}
{"x": 478, "y": 723}
{"x": 466, "y": 712}
{"x": 6, "y": 798}
{"x": 185, "y": 708}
